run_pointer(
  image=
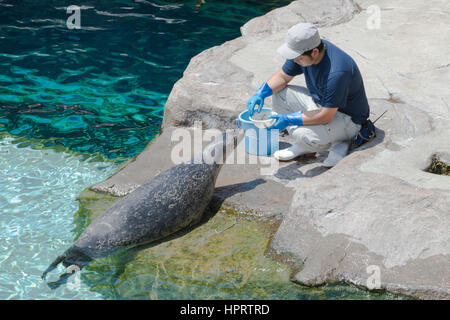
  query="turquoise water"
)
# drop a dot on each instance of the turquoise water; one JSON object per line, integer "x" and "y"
{"x": 74, "y": 104}
{"x": 102, "y": 88}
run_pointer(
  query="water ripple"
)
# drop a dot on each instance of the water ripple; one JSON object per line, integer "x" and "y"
{"x": 37, "y": 205}
{"x": 161, "y": 7}
{"x": 140, "y": 15}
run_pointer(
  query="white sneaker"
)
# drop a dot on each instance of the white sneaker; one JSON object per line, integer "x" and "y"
{"x": 337, "y": 152}
{"x": 289, "y": 153}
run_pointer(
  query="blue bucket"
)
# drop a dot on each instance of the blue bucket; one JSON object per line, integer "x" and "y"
{"x": 260, "y": 142}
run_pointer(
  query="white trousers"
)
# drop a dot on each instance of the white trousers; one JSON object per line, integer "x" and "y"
{"x": 313, "y": 138}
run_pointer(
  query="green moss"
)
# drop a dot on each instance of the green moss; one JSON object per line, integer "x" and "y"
{"x": 439, "y": 167}
{"x": 223, "y": 257}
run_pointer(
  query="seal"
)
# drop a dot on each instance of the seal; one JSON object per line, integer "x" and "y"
{"x": 173, "y": 200}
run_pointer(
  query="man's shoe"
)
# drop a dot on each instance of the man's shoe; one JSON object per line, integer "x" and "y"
{"x": 291, "y": 153}
{"x": 337, "y": 152}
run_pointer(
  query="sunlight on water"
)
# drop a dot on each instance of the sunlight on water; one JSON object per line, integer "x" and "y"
{"x": 37, "y": 203}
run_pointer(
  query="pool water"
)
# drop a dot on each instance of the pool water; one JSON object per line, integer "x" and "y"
{"x": 37, "y": 202}
{"x": 74, "y": 105}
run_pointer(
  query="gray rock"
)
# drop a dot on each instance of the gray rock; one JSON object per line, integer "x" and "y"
{"x": 346, "y": 220}
{"x": 321, "y": 13}
{"x": 212, "y": 90}
{"x": 377, "y": 207}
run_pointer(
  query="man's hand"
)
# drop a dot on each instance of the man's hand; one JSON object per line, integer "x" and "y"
{"x": 252, "y": 102}
{"x": 285, "y": 120}
{"x": 258, "y": 98}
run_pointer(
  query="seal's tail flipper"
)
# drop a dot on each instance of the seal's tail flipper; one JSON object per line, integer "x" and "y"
{"x": 54, "y": 264}
{"x": 72, "y": 257}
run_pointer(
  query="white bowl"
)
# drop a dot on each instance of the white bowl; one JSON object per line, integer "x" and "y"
{"x": 260, "y": 119}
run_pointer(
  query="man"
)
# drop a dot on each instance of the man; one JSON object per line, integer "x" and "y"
{"x": 329, "y": 111}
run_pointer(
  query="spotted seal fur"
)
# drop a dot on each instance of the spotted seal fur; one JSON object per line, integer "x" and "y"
{"x": 171, "y": 201}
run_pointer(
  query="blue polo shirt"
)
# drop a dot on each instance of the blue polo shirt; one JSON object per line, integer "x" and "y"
{"x": 335, "y": 82}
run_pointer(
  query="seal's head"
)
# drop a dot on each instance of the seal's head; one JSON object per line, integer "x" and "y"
{"x": 223, "y": 144}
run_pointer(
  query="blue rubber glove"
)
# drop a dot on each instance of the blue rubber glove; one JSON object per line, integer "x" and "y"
{"x": 285, "y": 120}
{"x": 258, "y": 98}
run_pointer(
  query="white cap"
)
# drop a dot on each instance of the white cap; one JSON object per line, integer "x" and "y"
{"x": 300, "y": 38}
